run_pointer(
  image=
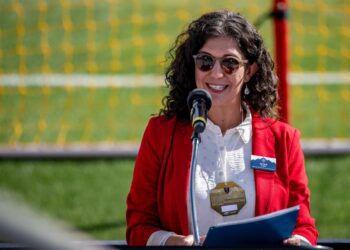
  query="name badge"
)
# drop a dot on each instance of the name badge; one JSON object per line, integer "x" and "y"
{"x": 227, "y": 198}
{"x": 263, "y": 163}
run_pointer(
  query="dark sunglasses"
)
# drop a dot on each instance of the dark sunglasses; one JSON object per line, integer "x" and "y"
{"x": 205, "y": 62}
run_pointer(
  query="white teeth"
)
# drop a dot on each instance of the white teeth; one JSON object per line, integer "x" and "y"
{"x": 217, "y": 87}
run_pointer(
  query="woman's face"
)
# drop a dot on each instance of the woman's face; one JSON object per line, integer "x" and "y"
{"x": 223, "y": 85}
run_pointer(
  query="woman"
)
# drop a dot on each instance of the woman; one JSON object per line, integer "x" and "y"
{"x": 223, "y": 54}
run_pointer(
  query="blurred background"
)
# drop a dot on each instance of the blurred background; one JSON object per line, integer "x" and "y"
{"x": 89, "y": 74}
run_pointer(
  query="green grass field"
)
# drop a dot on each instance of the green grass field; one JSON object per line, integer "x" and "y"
{"x": 90, "y": 195}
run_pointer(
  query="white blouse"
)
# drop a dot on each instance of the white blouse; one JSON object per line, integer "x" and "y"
{"x": 223, "y": 158}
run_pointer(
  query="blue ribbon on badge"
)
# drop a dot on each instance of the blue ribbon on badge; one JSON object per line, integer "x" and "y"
{"x": 263, "y": 163}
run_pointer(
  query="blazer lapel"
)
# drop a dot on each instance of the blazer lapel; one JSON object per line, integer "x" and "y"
{"x": 263, "y": 144}
{"x": 182, "y": 165}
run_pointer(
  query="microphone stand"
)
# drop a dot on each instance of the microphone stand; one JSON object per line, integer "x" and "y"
{"x": 195, "y": 143}
{"x": 199, "y": 102}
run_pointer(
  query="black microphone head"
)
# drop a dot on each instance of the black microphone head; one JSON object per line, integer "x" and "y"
{"x": 199, "y": 94}
{"x": 199, "y": 102}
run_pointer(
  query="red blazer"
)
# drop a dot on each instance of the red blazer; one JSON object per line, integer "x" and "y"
{"x": 157, "y": 198}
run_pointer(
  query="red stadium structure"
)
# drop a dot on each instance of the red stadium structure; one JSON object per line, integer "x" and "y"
{"x": 280, "y": 10}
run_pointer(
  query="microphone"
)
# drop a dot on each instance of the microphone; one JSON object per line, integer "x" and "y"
{"x": 199, "y": 102}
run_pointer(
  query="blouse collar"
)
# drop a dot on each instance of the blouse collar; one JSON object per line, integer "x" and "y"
{"x": 244, "y": 129}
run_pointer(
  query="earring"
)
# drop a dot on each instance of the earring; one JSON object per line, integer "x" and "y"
{"x": 246, "y": 90}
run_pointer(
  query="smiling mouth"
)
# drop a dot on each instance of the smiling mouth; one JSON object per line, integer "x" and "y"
{"x": 216, "y": 87}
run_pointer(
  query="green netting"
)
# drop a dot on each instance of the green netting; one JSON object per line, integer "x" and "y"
{"x": 66, "y": 38}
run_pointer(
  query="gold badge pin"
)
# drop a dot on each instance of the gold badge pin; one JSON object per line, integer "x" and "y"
{"x": 227, "y": 198}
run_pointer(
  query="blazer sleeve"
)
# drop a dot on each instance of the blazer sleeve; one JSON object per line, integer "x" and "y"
{"x": 142, "y": 210}
{"x": 299, "y": 192}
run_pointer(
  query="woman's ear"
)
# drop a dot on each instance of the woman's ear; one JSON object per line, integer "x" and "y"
{"x": 250, "y": 71}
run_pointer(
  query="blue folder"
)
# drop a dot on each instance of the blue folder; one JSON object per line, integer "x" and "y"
{"x": 265, "y": 230}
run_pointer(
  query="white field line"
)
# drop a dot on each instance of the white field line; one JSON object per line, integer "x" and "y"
{"x": 147, "y": 80}
{"x": 315, "y": 78}
{"x": 82, "y": 80}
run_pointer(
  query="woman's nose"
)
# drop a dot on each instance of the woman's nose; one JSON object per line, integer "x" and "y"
{"x": 217, "y": 70}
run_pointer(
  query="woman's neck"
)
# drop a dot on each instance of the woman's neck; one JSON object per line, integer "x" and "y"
{"x": 227, "y": 118}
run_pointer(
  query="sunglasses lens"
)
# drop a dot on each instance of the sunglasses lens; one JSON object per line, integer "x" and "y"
{"x": 204, "y": 62}
{"x": 229, "y": 65}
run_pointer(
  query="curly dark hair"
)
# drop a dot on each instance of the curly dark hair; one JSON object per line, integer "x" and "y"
{"x": 180, "y": 77}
